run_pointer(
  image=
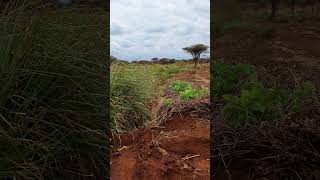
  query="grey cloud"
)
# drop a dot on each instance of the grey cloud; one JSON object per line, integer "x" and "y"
{"x": 158, "y": 28}
{"x": 117, "y": 29}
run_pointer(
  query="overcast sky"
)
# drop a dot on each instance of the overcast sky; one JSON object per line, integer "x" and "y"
{"x": 144, "y": 29}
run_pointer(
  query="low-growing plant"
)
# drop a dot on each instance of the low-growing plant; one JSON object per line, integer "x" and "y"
{"x": 180, "y": 86}
{"x": 167, "y": 102}
{"x": 257, "y": 103}
{"x": 229, "y": 78}
{"x": 192, "y": 93}
{"x": 186, "y": 92}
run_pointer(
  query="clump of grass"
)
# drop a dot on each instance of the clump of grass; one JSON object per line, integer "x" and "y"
{"x": 53, "y": 110}
{"x": 133, "y": 88}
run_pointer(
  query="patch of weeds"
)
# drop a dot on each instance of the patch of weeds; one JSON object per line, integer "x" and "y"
{"x": 186, "y": 91}
{"x": 192, "y": 93}
{"x": 167, "y": 102}
{"x": 257, "y": 103}
{"x": 229, "y": 78}
{"x": 180, "y": 86}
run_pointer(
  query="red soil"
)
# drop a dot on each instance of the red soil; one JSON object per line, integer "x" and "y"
{"x": 159, "y": 153}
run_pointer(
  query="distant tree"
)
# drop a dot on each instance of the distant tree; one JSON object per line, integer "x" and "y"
{"x": 155, "y": 60}
{"x": 164, "y": 61}
{"x": 171, "y": 61}
{"x": 112, "y": 59}
{"x": 196, "y": 51}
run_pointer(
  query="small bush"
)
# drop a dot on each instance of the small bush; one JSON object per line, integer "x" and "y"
{"x": 180, "y": 86}
{"x": 186, "y": 92}
{"x": 229, "y": 78}
{"x": 256, "y": 103}
{"x": 192, "y": 93}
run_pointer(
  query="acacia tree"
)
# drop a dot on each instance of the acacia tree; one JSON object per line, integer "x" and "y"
{"x": 196, "y": 51}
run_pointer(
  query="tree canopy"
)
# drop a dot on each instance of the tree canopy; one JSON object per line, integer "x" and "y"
{"x": 196, "y": 50}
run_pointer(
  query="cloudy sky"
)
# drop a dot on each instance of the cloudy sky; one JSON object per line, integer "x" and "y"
{"x": 144, "y": 29}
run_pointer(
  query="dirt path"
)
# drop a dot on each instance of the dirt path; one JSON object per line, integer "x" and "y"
{"x": 297, "y": 44}
{"x": 177, "y": 149}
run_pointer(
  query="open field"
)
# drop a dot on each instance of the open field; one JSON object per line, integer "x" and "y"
{"x": 172, "y": 140}
{"x": 266, "y": 112}
{"x": 53, "y": 93}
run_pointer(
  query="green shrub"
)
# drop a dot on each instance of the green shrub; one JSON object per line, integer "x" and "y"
{"x": 229, "y": 78}
{"x": 192, "y": 93}
{"x": 186, "y": 92}
{"x": 180, "y": 86}
{"x": 256, "y": 103}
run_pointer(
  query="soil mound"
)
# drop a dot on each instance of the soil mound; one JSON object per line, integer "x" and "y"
{"x": 179, "y": 149}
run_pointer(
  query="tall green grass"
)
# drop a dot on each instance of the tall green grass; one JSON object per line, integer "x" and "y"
{"x": 53, "y": 100}
{"x": 134, "y": 89}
